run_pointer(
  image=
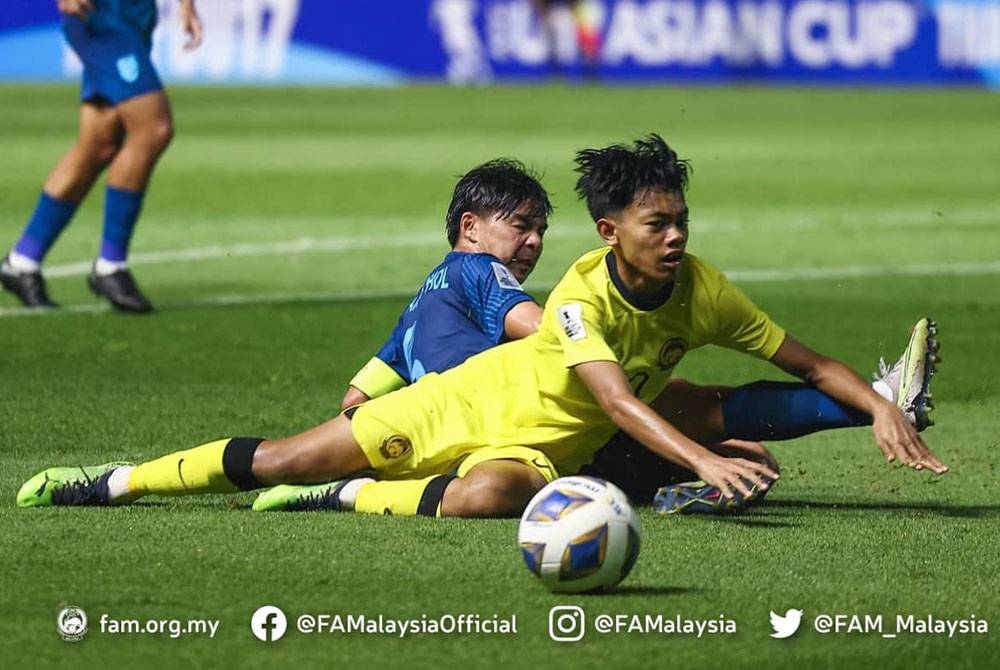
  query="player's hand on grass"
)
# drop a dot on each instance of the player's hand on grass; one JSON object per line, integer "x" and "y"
{"x": 81, "y": 9}
{"x": 900, "y": 441}
{"x": 734, "y": 475}
{"x": 191, "y": 25}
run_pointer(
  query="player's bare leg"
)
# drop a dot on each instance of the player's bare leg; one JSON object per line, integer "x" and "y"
{"x": 321, "y": 454}
{"x": 148, "y": 127}
{"x": 98, "y": 141}
{"x": 694, "y": 409}
{"x": 499, "y": 488}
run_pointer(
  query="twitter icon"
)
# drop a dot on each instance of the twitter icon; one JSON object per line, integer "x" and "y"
{"x": 785, "y": 626}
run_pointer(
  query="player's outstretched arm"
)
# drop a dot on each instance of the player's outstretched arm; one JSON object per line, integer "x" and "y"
{"x": 894, "y": 435}
{"x": 607, "y": 381}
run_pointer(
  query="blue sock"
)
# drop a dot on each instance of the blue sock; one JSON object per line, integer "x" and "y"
{"x": 784, "y": 410}
{"x": 121, "y": 211}
{"x": 46, "y": 222}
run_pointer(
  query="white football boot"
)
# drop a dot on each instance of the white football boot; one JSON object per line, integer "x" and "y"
{"x": 908, "y": 381}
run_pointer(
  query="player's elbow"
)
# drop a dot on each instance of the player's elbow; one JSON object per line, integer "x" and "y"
{"x": 619, "y": 408}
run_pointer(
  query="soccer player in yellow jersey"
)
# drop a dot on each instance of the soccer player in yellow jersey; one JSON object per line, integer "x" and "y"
{"x": 513, "y": 417}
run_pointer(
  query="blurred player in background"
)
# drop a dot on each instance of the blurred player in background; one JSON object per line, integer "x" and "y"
{"x": 480, "y": 439}
{"x": 125, "y": 126}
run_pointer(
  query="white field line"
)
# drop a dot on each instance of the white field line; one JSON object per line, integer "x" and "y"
{"x": 707, "y": 225}
{"x": 302, "y": 245}
{"x": 740, "y": 276}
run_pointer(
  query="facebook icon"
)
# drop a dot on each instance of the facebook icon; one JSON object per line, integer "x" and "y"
{"x": 268, "y": 623}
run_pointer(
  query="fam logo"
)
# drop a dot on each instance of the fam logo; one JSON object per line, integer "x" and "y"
{"x": 395, "y": 446}
{"x": 671, "y": 353}
{"x": 72, "y": 623}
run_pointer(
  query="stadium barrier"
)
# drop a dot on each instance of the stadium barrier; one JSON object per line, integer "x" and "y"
{"x": 380, "y": 42}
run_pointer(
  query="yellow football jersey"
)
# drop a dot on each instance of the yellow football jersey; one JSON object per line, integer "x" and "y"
{"x": 525, "y": 393}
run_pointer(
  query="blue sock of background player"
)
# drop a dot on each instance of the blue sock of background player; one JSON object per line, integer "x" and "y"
{"x": 121, "y": 211}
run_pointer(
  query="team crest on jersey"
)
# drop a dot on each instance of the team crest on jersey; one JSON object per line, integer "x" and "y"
{"x": 128, "y": 68}
{"x": 571, "y": 319}
{"x": 395, "y": 446}
{"x": 505, "y": 278}
{"x": 671, "y": 353}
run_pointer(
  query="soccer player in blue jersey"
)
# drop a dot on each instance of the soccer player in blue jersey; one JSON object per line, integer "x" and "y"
{"x": 125, "y": 126}
{"x": 481, "y": 438}
{"x": 473, "y": 300}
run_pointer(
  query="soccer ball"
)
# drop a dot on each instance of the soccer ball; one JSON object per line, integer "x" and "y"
{"x": 579, "y": 534}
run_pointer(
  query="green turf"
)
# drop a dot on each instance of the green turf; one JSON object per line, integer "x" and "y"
{"x": 783, "y": 179}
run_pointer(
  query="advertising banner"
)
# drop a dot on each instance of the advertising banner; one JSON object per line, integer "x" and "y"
{"x": 379, "y": 42}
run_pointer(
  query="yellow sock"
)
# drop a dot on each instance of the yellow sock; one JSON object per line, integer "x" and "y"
{"x": 222, "y": 466}
{"x": 407, "y": 497}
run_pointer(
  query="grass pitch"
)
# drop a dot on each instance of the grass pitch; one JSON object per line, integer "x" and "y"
{"x": 284, "y": 231}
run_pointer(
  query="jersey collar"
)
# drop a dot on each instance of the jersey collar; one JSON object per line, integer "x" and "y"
{"x": 644, "y": 303}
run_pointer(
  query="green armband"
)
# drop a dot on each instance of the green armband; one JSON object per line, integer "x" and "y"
{"x": 377, "y": 378}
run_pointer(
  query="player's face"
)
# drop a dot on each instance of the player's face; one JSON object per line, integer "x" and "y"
{"x": 651, "y": 235}
{"x": 515, "y": 239}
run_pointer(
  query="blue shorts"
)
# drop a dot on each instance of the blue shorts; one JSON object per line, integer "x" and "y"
{"x": 116, "y": 63}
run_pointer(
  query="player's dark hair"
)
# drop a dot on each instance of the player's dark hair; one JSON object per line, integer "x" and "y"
{"x": 499, "y": 187}
{"x": 611, "y": 178}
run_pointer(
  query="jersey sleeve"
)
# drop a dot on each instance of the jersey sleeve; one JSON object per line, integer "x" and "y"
{"x": 580, "y": 325}
{"x": 492, "y": 291}
{"x": 377, "y": 378}
{"x": 386, "y": 371}
{"x": 742, "y": 326}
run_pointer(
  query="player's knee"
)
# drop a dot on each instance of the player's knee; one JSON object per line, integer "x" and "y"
{"x": 164, "y": 133}
{"x": 486, "y": 495}
{"x": 157, "y": 135}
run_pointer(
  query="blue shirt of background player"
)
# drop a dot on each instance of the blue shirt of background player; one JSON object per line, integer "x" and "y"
{"x": 140, "y": 15}
{"x": 462, "y": 305}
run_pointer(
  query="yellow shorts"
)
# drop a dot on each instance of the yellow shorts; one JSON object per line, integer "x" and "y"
{"x": 419, "y": 431}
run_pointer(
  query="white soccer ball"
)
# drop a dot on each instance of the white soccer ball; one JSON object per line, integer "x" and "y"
{"x": 579, "y": 534}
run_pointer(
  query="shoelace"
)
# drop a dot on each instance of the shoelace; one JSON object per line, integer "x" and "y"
{"x": 76, "y": 493}
{"x": 317, "y": 501}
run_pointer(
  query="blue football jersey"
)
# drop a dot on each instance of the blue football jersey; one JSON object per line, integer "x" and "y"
{"x": 140, "y": 15}
{"x": 459, "y": 312}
